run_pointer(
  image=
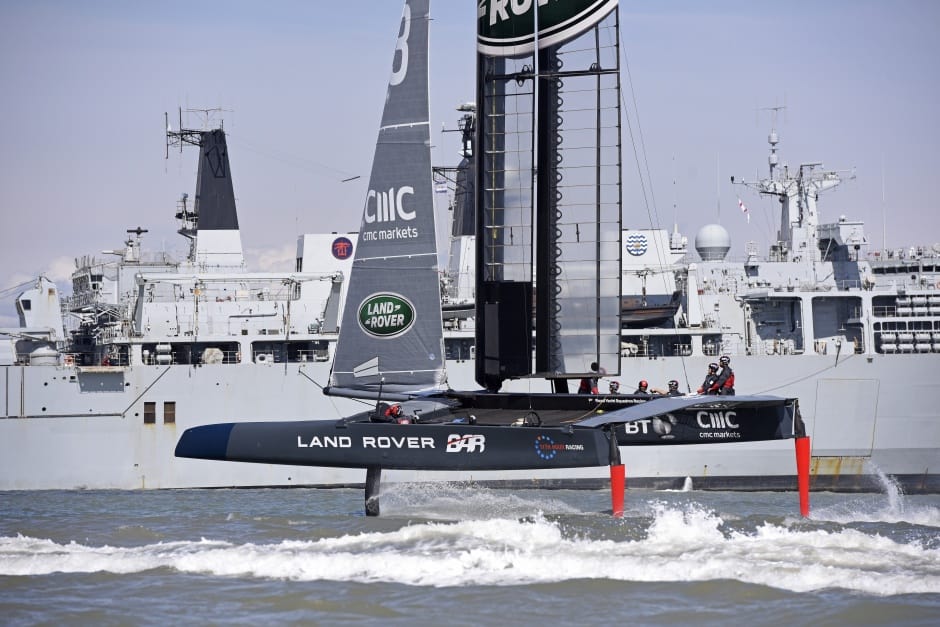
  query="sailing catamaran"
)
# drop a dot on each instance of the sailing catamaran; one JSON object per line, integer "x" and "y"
{"x": 547, "y": 272}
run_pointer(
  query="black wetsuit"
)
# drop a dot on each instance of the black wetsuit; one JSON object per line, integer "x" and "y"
{"x": 710, "y": 379}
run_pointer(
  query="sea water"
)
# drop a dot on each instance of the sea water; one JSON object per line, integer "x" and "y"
{"x": 457, "y": 554}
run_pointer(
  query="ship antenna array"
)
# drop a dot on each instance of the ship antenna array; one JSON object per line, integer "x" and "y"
{"x": 187, "y": 136}
{"x": 773, "y": 139}
{"x": 466, "y": 126}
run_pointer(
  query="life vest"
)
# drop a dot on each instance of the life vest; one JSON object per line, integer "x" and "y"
{"x": 587, "y": 386}
{"x": 729, "y": 382}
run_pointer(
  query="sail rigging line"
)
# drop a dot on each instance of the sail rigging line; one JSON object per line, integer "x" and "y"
{"x": 290, "y": 159}
{"x": 651, "y": 201}
{"x": 809, "y": 375}
{"x": 9, "y": 290}
{"x": 311, "y": 380}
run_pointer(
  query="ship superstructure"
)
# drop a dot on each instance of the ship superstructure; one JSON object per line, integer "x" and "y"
{"x": 96, "y": 384}
{"x": 849, "y": 330}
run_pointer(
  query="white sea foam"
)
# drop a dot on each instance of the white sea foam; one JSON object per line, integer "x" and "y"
{"x": 460, "y": 501}
{"x": 888, "y": 507}
{"x": 681, "y": 544}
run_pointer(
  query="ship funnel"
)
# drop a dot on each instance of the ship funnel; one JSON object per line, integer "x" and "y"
{"x": 218, "y": 240}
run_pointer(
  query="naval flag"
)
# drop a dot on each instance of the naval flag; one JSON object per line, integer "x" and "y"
{"x": 744, "y": 210}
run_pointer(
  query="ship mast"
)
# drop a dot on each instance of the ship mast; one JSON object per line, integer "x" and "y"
{"x": 798, "y": 237}
{"x": 210, "y": 223}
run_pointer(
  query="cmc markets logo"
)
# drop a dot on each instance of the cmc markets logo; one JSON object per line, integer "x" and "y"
{"x": 342, "y": 248}
{"x": 637, "y": 244}
{"x": 389, "y": 206}
{"x": 386, "y": 315}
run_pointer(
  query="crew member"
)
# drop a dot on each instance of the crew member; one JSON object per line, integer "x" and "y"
{"x": 724, "y": 384}
{"x": 710, "y": 379}
{"x": 673, "y": 388}
{"x": 387, "y": 413}
{"x": 642, "y": 388}
{"x": 588, "y": 385}
{"x": 614, "y": 387}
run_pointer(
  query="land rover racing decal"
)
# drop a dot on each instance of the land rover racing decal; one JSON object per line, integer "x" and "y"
{"x": 418, "y": 446}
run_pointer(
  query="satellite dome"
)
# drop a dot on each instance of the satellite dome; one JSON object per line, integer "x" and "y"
{"x": 712, "y": 242}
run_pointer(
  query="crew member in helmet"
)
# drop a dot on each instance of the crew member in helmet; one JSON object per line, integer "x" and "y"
{"x": 387, "y": 413}
{"x": 588, "y": 385}
{"x": 724, "y": 384}
{"x": 643, "y": 387}
{"x": 614, "y": 387}
{"x": 710, "y": 379}
{"x": 673, "y": 388}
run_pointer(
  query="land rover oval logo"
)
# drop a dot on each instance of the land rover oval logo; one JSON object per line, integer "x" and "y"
{"x": 386, "y": 315}
{"x": 505, "y": 28}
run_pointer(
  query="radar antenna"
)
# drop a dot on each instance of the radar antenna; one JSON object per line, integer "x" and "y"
{"x": 187, "y": 136}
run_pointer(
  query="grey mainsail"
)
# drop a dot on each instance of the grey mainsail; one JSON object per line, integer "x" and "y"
{"x": 391, "y": 337}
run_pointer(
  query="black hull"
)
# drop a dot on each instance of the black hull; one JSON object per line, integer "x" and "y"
{"x": 397, "y": 446}
{"x": 482, "y": 431}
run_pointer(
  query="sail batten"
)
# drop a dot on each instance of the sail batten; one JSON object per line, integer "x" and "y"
{"x": 408, "y": 125}
{"x": 392, "y": 320}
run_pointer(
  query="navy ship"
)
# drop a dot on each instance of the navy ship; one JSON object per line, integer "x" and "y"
{"x": 98, "y": 386}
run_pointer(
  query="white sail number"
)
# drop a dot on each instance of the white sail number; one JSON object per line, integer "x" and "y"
{"x": 398, "y": 75}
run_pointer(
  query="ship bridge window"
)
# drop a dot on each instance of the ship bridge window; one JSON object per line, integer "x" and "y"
{"x": 304, "y": 351}
{"x": 117, "y": 355}
{"x": 458, "y": 349}
{"x": 835, "y": 319}
{"x": 293, "y": 352}
{"x": 671, "y": 345}
{"x": 196, "y": 353}
{"x": 711, "y": 345}
{"x": 884, "y": 306}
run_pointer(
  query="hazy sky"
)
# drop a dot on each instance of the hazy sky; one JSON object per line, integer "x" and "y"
{"x": 84, "y": 86}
